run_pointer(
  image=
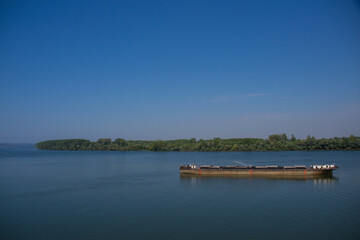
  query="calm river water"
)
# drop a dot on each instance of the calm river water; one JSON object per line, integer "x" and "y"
{"x": 140, "y": 195}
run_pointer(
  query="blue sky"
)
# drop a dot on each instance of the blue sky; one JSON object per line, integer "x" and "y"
{"x": 178, "y": 69}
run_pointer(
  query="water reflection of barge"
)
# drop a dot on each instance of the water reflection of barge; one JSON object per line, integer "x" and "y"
{"x": 317, "y": 179}
{"x": 270, "y": 170}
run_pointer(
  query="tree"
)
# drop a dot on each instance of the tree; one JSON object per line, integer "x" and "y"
{"x": 235, "y": 147}
{"x": 120, "y": 142}
{"x": 104, "y": 141}
{"x": 158, "y": 146}
{"x": 293, "y": 138}
{"x": 278, "y": 137}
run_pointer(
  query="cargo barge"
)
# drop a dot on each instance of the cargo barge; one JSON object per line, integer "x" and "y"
{"x": 269, "y": 170}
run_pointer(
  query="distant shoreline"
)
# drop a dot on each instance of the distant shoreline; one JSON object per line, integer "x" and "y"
{"x": 17, "y": 145}
{"x": 275, "y": 142}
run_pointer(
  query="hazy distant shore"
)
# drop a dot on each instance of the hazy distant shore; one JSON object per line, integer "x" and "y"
{"x": 276, "y": 142}
{"x": 17, "y": 145}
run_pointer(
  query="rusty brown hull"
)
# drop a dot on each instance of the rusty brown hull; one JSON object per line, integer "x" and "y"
{"x": 258, "y": 172}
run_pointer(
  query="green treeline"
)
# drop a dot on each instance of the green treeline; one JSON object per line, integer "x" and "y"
{"x": 276, "y": 142}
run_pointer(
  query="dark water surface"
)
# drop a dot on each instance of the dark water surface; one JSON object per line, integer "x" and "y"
{"x": 140, "y": 195}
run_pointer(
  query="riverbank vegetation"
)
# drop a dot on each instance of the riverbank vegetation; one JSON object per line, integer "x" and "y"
{"x": 276, "y": 142}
